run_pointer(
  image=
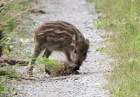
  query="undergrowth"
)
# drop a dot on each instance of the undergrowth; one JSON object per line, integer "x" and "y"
{"x": 11, "y": 15}
{"x": 122, "y": 18}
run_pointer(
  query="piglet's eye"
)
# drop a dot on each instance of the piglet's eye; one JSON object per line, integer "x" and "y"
{"x": 75, "y": 51}
{"x": 85, "y": 53}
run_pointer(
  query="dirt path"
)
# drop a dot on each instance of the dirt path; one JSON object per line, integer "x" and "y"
{"x": 91, "y": 81}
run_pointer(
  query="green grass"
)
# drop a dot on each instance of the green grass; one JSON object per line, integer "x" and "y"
{"x": 123, "y": 19}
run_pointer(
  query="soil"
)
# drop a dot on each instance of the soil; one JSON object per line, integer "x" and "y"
{"x": 91, "y": 80}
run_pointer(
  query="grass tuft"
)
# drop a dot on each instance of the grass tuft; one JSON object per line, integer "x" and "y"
{"x": 52, "y": 65}
{"x": 56, "y": 68}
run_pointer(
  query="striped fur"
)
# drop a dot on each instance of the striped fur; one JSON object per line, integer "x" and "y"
{"x": 60, "y": 36}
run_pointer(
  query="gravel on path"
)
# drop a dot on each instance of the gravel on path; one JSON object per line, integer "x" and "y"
{"x": 91, "y": 81}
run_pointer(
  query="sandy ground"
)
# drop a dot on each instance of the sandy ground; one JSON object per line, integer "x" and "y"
{"x": 91, "y": 81}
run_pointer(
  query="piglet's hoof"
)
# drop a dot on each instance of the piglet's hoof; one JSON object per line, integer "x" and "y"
{"x": 30, "y": 73}
{"x": 76, "y": 68}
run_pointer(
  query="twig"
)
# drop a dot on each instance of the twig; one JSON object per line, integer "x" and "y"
{"x": 13, "y": 62}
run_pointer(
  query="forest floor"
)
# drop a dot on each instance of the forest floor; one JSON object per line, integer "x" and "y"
{"x": 91, "y": 82}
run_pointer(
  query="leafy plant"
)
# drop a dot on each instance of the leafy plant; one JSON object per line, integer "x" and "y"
{"x": 100, "y": 24}
{"x": 1, "y": 88}
{"x": 101, "y": 49}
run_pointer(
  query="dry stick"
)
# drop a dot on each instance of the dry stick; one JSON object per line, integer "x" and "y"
{"x": 13, "y": 62}
{"x": 1, "y": 5}
{"x": 1, "y": 38}
{"x": 35, "y": 10}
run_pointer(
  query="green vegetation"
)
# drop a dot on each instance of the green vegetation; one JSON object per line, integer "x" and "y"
{"x": 53, "y": 65}
{"x": 12, "y": 13}
{"x": 101, "y": 49}
{"x": 100, "y": 24}
{"x": 7, "y": 73}
{"x": 122, "y": 18}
